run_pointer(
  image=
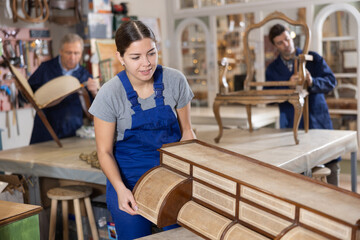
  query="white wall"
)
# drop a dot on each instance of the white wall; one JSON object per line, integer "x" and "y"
{"x": 11, "y": 138}
{"x": 156, "y": 9}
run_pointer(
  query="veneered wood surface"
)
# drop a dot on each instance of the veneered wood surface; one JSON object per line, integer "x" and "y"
{"x": 11, "y": 211}
{"x": 280, "y": 183}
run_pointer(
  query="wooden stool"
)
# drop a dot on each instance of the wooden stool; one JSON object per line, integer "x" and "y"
{"x": 320, "y": 173}
{"x": 71, "y": 193}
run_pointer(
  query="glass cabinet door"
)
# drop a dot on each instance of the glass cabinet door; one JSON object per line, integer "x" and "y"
{"x": 338, "y": 42}
{"x": 194, "y": 64}
{"x": 230, "y": 36}
{"x": 340, "y": 53}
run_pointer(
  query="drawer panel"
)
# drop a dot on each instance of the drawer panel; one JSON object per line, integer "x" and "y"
{"x": 217, "y": 199}
{"x": 268, "y": 201}
{"x": 216, "y": 180}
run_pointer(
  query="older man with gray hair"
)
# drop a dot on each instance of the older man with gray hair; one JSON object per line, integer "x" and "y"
{"x": 67, "y": 116}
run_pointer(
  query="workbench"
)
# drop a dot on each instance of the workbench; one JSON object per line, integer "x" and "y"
{"x": 19, "y": 221}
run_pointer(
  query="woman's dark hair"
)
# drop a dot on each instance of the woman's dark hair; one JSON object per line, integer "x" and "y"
{"x": 129, "y": 32}
{"x": 275, "y": 31}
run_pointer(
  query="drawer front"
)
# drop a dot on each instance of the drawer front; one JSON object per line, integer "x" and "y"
{"x": 261, "y": 219}
{"x": 203, "y": 220}
{"x": 176, "y": 164}
{"x": 241, "y": 232}
{"x": 268, "y": 201}
{"x": 215, "y": 198}
{"x": 216, "y": 180}
{"x": 324, "y": 224}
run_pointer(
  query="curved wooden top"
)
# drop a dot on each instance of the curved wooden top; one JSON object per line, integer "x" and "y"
{"x": 69, "y": 192}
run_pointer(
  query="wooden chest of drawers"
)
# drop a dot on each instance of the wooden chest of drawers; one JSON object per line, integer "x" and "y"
{"x": 219, "y": 194}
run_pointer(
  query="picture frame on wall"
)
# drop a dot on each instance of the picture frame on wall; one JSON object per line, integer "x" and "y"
{"x": 349, "y": 60}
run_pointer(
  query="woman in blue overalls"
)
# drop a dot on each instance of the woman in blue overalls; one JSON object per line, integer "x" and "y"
{"x": 143, "y": 107}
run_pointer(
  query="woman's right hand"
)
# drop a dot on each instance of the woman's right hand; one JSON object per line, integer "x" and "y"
{"x": 127, "y": 202}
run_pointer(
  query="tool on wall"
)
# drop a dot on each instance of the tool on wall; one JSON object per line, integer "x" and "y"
{"x": 22, "y": 60}
{"x": 40, "y": 7}
{"x": 13, "y": 100}
{"x": 1, "y": 47}
{"x": 9, "y": 52}
{"x": 10, "y": 32}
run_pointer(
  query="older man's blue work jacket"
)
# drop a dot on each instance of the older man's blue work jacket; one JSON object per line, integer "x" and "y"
{"x": 323, "y": 82}
{"x": 65, "y": 117}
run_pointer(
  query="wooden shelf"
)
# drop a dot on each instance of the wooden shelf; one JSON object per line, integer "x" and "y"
{"x": 345, "y": 75}
{"x": 338, "y": 38}
{"x": 343, "y": 111}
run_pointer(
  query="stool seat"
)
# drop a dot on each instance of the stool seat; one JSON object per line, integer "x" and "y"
{"x": 69, "y": 192}
{"x": 75, "y": 193}
{"x": 320, "y": 173}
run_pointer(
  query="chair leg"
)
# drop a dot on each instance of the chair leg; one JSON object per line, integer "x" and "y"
{"x": 53, "y": 219}
{"x": 79, "y": 227}
{"x": 216, "y": 110}
{"x": 323, "y": 179}
{"x": 297, "y": 116}
{"x": 248, "y": 112}
{"x": 91, "y": 218}
{"x": 48, "y": 127}
{"x": 65, "y": 213}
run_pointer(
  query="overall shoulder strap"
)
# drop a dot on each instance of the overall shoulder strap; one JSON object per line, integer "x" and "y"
{"x": 158, "y": 86}
{"x": 130, "y": 92}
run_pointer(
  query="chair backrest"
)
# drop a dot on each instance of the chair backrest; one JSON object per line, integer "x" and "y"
{"x": 345, "y": 86}
{"x": 109, "y": 65}
{"x": 66, "y": 6}
{"x": 249, "y": 56}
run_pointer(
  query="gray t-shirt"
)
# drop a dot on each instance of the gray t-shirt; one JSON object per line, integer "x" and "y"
{"x": 111, "y": 103}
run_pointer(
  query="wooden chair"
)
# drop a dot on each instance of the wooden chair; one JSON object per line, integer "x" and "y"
{"x": 75, "y": 193}
{"x": 50, "y": 94}
{"x": 296, "y": 95}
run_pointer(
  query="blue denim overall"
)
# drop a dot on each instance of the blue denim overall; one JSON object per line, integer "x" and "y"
{"x": 137, "y": 152}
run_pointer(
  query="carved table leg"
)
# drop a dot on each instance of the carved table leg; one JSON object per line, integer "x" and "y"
{"x": 248, "y": 111}
{"x": 297, "y": 115}
{"x": 216, "y": 109}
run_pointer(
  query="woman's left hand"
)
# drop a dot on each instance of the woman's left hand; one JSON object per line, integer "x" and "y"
{"x": 127, "y": 202}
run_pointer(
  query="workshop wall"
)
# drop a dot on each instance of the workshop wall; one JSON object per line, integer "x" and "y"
{"x": 14, "y": 135}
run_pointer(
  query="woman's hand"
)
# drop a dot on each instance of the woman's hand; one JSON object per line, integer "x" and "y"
{"x": 127, "y": 202}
